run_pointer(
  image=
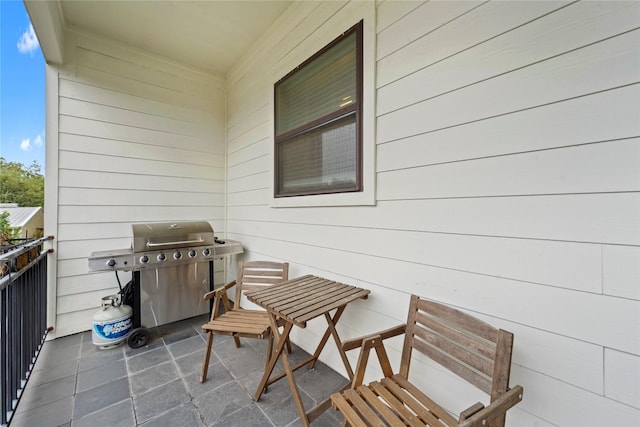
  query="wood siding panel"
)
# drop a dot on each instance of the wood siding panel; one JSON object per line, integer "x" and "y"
{"x": 589, "y": 218}
{"x": 71, "y": 87}
{"x": 620, "y": 382}
{"x": 621, "y": 271}
{"x": 561, "y": 171}
{"x": 570, "y": 28}
{"x": 86, "y": 144}
{"x": 399, "y": 27}
{"x": 113, "y": 131}
{"x": 568, "y": 123}
{"x": 95, "y": 197}
{"x": 139, "y": 140}
{"x": 116, "y": 180}
{"x": 507, "y": 185}
{"x": 459, "y": 33}
{"x": 598, "y": 67}
{"x": 566, "y": 312}
{"x": 391, "y": 11}
{"x": 560, "y": 264}
{"x": 251, "y": 166}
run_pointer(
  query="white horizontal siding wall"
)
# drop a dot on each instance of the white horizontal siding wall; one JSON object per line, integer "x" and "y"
{"x": 139, "y": 139}
{"x": 508, "y": 179}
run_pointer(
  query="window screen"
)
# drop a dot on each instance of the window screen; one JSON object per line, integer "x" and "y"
{"x": 317, "y": 121}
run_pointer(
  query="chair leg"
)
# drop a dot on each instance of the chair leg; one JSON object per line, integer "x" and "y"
{"x": 288, "y": 345}
{"x": 207, "y": 355}
{"x": 237, "y": 341}
{"x": 269, "y": 351}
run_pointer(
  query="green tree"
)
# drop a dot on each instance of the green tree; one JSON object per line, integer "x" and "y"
{"x": 6, "y": 231}
{"x": 24, "y": 186}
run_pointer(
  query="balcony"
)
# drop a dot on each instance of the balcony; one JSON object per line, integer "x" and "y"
{"x": 74, "y": 383}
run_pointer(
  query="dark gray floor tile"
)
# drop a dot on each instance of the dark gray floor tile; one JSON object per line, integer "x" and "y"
{"x": 95, "y": 360}
{"x": 92, "y": 356}
{"x": 187, "y": 346}
{"x": 159, "y": 400}
{"x": 118, "y": 415}
{"x": 62, "y": 370}
{"x": 251, "y": 416}
{"x": 102, "y": 374}
{"x": 239, "y": 361}
{"x": 43, "y": 394}
{"x": 320, "y": 382}
{"x": 53, "y": 414}
{"x": 251, "y": 381}
{"x": 64, "y": 342}
{"x": 329, "y": 418}
{"x": 222, "y": 402}
{"x": 97, "y": 398}
{"x": 51, "y": 359}
{"x": 155, "y": 376}
{"x": 148, "y": 359}
{"x": 184, "y": 415}
{"x": 177, "y": 331}
{"x": 218, "y": 376}
{"x": 278, "y": 403}
{"x": 193, "y": 362}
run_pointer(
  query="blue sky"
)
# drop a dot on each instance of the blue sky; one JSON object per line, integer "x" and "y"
{"x": 22, "y": 88}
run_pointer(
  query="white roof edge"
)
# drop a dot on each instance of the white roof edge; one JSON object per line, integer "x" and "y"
{"x": 49, "y": 27}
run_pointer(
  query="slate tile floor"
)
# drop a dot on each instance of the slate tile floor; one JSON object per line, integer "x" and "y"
{"x": 76, "y": 384}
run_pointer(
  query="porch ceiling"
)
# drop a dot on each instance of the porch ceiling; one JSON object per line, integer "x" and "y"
{"x": 208, "y": 35}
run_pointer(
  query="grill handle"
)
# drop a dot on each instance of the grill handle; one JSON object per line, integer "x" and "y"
{"x": 184, "y": 242}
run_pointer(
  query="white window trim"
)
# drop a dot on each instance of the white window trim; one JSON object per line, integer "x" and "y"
{"x": 366, "y": 197}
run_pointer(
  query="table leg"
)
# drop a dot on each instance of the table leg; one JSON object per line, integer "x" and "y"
{"x": 331, "y": 331}
{"x": 279, "y": 352}
{"x": 280, "y": 340}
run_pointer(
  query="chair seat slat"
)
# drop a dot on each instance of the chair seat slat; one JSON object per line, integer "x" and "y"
{"x": 435, "y": 413}
{"x": 383, "y": 410}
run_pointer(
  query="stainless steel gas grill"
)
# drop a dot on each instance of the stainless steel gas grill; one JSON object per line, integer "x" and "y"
{"x": 172, "y": 265}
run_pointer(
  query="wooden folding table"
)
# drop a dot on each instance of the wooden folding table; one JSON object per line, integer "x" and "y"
{"x": 297, "y": 301}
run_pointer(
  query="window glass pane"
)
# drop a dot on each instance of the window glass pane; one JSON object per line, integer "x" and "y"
{"x": 319, "y": 160}
{"x": 321, "y": 87}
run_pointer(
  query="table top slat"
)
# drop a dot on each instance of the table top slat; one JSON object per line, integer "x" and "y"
{"x": 309, "y": 296}
{"x": 327, "y": 306}
{"x": 304, "y": 298}
{"x": 293, "y": 289}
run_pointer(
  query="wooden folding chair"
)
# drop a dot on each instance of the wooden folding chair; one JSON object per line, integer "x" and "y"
{"x": 235, "y": 320}
{"x": 469, "y": 347}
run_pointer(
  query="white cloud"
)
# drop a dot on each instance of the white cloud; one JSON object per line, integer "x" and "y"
{"x": 28, "y": 41}
{"x": 38, "y": 141}
{"x": 25, "y": 145}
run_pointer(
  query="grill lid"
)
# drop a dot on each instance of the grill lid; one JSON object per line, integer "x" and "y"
{"x": 170, "y": 235}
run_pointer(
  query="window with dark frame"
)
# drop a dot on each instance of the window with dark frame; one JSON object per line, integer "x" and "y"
{"x": 318, "y": 121}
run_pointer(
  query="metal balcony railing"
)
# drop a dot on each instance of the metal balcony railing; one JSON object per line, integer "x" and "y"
{"x": 23, "y": 317}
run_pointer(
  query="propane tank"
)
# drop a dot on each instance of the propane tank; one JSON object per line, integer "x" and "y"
{"x": 112, "y": 323}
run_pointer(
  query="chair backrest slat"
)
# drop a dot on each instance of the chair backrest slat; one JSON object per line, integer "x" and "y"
{"x": 258, "y": 274}
{"x": 467, "y": 346}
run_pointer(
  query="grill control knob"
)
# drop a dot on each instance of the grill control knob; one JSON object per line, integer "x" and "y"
{"x": 161, "y": 257}
{"x": 144, "y": 259}
{"x": 192, "y": 253}
{"x": 177, "y": 255}
{"x": 111, "y": 263}
{"x": 206, "y": 252}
